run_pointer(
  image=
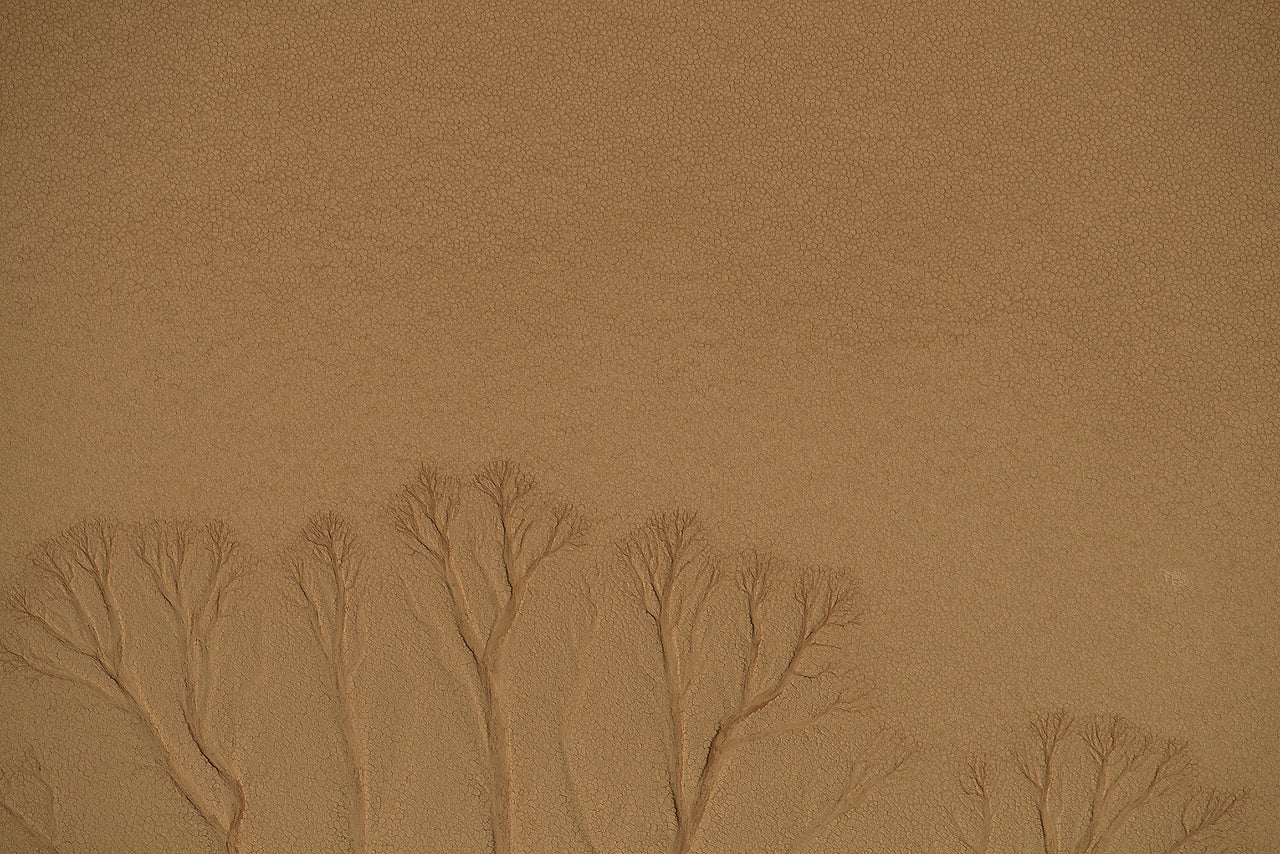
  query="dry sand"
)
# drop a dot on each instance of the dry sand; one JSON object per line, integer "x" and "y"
{"x": 963, "y": 316}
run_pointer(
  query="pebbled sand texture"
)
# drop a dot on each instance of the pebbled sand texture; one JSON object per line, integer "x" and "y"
{"x": 471, "y": 427}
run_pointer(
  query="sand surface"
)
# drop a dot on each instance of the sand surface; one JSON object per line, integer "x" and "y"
{"x": 639, "y": 428}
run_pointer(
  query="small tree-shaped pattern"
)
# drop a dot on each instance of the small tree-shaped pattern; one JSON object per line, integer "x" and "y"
{"x": 328, "y": 573}
{"x": 428, "y": 514}
{"x": 976, "y": 828}
{"x": 197, "y": 596}
{"x": 864, "y": 774}
{"x": 1039, "y": 761}
{"x": 1207, "y": 816}
{"x": 85, "y": 624}
{"x": 1128, "y": 771}
{"x": 678, "y": 579}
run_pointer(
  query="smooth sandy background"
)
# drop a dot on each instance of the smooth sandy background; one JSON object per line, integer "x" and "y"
{"x": 979, "y": 301}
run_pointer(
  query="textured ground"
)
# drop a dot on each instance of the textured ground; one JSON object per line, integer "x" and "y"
{"x": 976, "y": 304}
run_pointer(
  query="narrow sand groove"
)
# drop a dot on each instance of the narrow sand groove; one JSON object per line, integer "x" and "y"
{"x": 329, "y": 577}
{"x": 81, "y": 565}
{"x": 427, "y": 514}
{"x": 748, "y": 655}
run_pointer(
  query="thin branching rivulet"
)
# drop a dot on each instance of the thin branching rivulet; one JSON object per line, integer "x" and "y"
{"x": 84, "y": 640}
{"x": 679, "y": 579}
{"x": 27, "y": 799}
{"x": 977, "y": 826}
{"x": 863, "y": 776}
{"x": 197, "y": 597}
{"x": 485, "y": 603}
{"x": 328, "y": 574}
{"x": 1128, "y": 772}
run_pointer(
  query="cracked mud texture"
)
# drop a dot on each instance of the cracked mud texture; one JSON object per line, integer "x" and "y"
{"x": 969, "y": 310}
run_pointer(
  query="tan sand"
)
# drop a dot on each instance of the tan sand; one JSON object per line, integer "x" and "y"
{"x": 774, "y": 427}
